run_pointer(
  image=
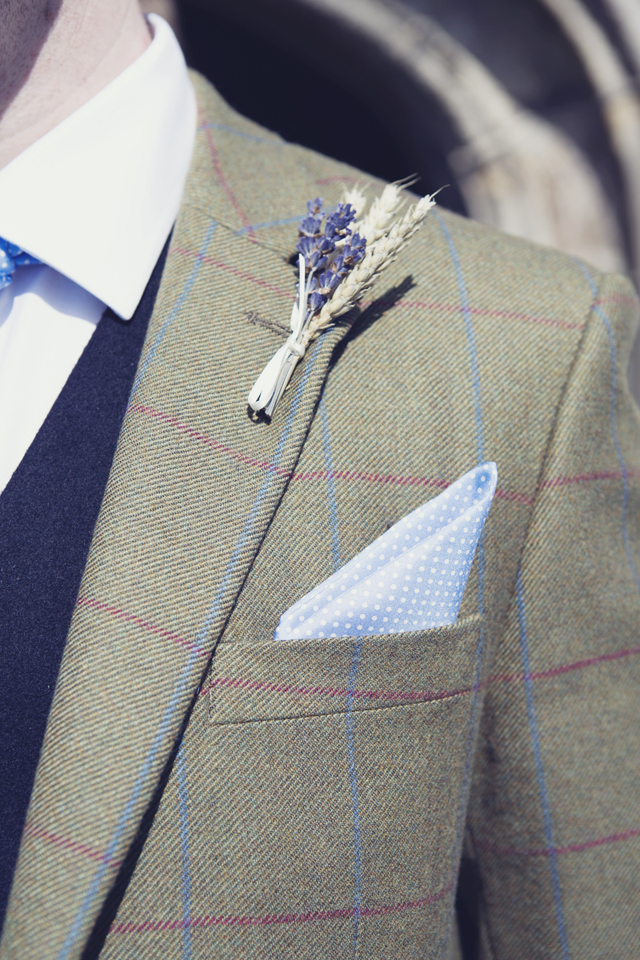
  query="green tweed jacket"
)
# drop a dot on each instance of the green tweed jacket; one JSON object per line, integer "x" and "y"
{"x": 303, "y": 799}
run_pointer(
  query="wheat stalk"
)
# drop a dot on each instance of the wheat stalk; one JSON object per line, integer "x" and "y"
{"x": 381, "y": 214}
{"x": 379, "y": 255}
{"x": 357, "y": 198}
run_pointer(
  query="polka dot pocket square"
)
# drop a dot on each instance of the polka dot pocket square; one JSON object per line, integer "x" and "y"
{"x": 410, "y": 578}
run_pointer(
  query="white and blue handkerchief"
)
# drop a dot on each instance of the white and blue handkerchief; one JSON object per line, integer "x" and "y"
{"x": 410, "y": 578}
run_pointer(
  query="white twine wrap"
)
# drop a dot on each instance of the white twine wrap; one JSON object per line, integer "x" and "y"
{"x": 274, "y": 379}
{"x": 382, "y": 249}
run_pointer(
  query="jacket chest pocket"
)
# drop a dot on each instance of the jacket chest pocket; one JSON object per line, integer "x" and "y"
{"x": 337, "y": 769}
{"x": 321, "y": 677}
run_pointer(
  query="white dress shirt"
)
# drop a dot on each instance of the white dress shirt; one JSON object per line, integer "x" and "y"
{"x": 94, "y": 200}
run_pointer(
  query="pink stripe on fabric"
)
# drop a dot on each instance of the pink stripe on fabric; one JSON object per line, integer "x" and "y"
{"x": 481, "y": 312}
{"x": 221, "y": 265}
{"x": 321, "y": 475}
{"x": 585, "y": 478}
{"x": 371, "y": 478}
{"x": 208, "y": 441}
{"x": 337, "y": 179}
{"x": 400, "y": 481}
{"x": 565, "y": 668}
{"x": 570, "y": 848}
{"x": 616, "y": 298}
{"x": 39, "y": 833}
{"x": 238, "y": 683}
{"x": 358, "y": 475}
{"x": 223, "y": 182}
{"x": 346, "y": 913}
{"x": 139, "y": 622}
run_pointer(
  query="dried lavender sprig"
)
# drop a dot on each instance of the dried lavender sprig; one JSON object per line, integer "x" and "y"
{"x": 312, "y": 234}
{"x": 354, "y": 270}
{"x": 317, "y": 250}
{"x": 361, "y": 278}
{"x": 322, "y": 285}
{"x": 319, "y": 247}
{"x": 311, "y": 226}
{"x": 312, "y": 243}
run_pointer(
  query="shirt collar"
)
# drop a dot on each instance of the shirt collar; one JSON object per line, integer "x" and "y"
{"x": 96, "y": 197}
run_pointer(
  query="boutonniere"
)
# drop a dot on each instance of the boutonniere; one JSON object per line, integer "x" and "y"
{"x": 340, "y": 255}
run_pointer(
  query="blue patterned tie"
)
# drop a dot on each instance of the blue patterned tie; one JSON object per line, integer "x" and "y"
{"x": 12, "y": 257}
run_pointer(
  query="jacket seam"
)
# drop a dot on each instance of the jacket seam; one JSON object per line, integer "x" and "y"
{"x": 336, "y": 713}
{"x": 544, "y": 460}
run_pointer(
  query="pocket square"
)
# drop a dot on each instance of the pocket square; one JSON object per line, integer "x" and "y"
{"x": 410, "y": 578}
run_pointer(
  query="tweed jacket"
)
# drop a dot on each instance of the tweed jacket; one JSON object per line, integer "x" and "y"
{"x": 204, "y": 792}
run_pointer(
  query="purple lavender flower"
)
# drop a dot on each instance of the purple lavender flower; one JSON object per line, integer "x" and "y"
{"x": 338, "y": 221}
{"x": 317, "y": 246}
{"x": 311, "y": 226}
{"x": 354, "y": 251}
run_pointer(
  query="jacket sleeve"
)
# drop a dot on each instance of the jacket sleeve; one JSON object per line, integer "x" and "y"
{"x": 554, "y": 819}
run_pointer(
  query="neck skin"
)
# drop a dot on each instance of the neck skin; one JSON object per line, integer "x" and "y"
{"x": 57, "y": 54}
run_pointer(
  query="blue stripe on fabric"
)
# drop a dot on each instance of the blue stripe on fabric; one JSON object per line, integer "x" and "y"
{"x": 468, "y": 325}
{"x": 542, "y": 787}
{"x": 477, "y": 404}
{"x": 183, "y": 795}
{"x": 353, "y": 673}
{"x": 331, "y": 485}
{"x": 355, "y": 802}
{"x": 184, "y": 679}
{"x": 240, "y": 133}
{"x": 472, "y": 722}
{"x": 186, "y": 290}
{"x": 623, "y": 467}
{"x": 269, "y": 223}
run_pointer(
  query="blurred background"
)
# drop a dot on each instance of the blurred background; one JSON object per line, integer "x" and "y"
{"x": 528, "y": 109}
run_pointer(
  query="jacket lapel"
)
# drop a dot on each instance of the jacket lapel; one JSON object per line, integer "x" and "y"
{"x": 193, "y": 487}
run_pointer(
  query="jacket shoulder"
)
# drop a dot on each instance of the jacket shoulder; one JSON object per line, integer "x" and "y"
{"x": 256, "y": 181}
{"x": 521, "y": 302}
